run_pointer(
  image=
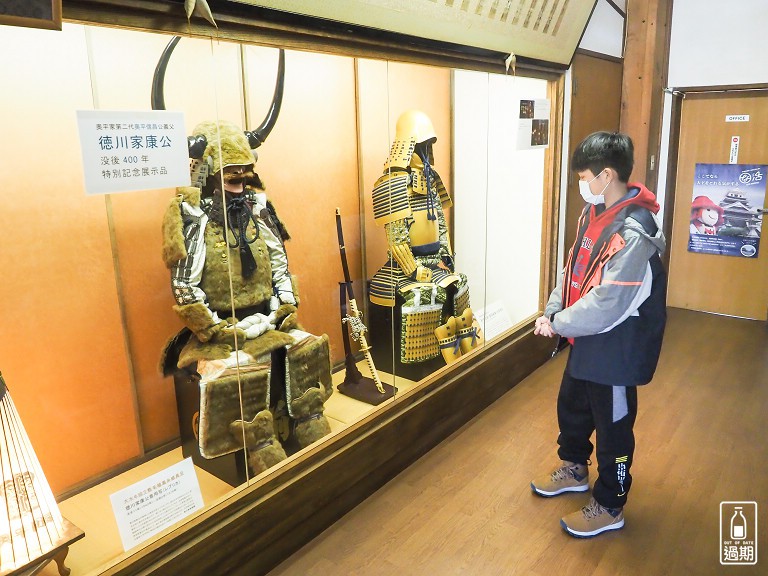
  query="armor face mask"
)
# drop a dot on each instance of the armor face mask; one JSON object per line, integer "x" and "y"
{"x": 235, "y": 178}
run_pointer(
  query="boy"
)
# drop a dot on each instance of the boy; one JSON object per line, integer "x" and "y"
{"x": 610, "y": 305}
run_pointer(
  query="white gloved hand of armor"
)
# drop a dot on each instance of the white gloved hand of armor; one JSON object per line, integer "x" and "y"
{"x": 256, "y": 325}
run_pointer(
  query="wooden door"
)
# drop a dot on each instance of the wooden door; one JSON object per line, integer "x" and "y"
{"x": 729, "y": 285}
{"x": 595, "y": 105}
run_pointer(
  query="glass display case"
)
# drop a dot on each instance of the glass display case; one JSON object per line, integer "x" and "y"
{"x": 224, "y": 337}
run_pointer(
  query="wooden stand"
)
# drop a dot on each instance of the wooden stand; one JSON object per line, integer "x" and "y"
{"x": 355, "y": 385}
{"x": 57, "y": 554}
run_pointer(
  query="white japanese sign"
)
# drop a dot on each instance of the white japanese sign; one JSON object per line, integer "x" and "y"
{"x": 493, "y": 319}
{"x": 155, "y": 503}
{"x": 137, "y": 150}
{"x": 734, "y": 156}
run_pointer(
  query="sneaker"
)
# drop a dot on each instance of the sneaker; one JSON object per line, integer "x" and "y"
{"x": 570, "y": 477}
{"x": 592, "y": 520}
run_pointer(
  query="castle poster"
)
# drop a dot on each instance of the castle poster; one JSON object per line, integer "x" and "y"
{"x": 727, "y": 209}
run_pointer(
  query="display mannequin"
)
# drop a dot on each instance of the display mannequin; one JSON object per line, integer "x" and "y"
{"x": 408, "y": 200}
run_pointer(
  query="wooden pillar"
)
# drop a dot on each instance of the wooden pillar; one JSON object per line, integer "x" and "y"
{"x": 646, "y": 55}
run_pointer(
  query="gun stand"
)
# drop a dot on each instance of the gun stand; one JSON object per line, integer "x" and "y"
{"x": 356, "y": 385}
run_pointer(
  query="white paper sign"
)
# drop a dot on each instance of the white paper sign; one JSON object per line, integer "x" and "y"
{"x": 533, "y": 124}
{"x": 155, "y": 503}
{"x": 734, "y": 157}
{"x": 737, "y": 118}
{"x": 140, "y": 150}
{"x": 493, "y": 320}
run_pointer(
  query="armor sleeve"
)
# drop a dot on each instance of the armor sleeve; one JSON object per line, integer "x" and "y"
{"x": 281, "y": 278}
{"x": 445, "y": 243}
{"x": 187, "y": 272}
{"x": 399, "y": 242}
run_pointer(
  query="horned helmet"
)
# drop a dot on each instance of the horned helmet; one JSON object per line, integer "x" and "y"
{"x": 216, "y": 145}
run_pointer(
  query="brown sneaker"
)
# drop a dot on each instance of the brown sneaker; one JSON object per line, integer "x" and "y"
{"x": 570, "y": 477}
{"x": 592, "y": 520}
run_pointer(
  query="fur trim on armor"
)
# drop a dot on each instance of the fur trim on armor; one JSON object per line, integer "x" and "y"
{"x": 267, "y": 343}
{"x": 264, "y": 451}
{"x": 220, "y": 407}
{"x": 173, "y": 226}
{"x": 235, "y": 150}
{"x": 195, "y": 350}
{"x": 197, "y": 318}
{"x": 308, "y": 410}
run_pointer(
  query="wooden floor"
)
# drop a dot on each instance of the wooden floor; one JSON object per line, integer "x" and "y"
{"x": 466, "y": 506}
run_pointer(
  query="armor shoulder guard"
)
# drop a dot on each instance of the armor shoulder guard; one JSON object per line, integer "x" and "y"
{"x": 278, "y": 223}
{"x": 400, "y": 154}
{"x": 390, "y": 198}
{"x": 445, "y": 198}
{"x": 173, "y": 225}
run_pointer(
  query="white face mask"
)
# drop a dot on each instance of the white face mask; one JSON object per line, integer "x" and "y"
{"x": 586, "y": 192}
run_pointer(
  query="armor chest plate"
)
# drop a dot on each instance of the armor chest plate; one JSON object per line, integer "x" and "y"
{"x": 220, "y": 259}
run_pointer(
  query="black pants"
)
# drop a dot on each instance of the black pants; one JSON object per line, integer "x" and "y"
{"x": 584, "y": 407}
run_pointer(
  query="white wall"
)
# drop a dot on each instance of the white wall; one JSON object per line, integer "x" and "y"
{"x": 713, "y": 43}
{"x": 605, "y": 31}
{"x": 498, "y": 193}
{"x": 717, "y": 43}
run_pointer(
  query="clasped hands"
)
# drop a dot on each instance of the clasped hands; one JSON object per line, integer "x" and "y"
{"x": 257, "y": 324}
{"x": 544, "y": 327}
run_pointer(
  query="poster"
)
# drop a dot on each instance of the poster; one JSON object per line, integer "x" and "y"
{"x": 727, "y": 209}
{"x": 533, "y": 127}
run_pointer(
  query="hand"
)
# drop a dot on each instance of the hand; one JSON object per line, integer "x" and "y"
{"x": 423, "y": 274}
{"x": 544, "y": 327}
{"x": 256, "y": 325}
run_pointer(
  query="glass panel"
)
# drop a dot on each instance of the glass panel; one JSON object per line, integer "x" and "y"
{"x": 446, "y": 222}
{"x": 501, "y": 147}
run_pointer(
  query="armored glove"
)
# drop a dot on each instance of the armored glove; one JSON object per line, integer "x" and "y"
{"x": 256, "y": 325}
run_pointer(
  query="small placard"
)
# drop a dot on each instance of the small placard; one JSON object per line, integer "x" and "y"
{"x": 141, "y": 150}
{"x": 155, "y": 503}
{"x": 737, "y": 118}
{"x": 733, "y": 158}
{"x": 493, "y": 319}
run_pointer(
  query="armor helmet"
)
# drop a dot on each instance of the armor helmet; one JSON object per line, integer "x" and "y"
{"x": 413, "y": 127}
{"x": 227, "y": 138}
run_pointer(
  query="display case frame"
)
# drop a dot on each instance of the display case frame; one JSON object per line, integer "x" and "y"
{"x": 345, "y": 469}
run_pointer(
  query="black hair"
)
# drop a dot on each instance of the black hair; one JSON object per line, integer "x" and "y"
{"x": 601, "y": 150}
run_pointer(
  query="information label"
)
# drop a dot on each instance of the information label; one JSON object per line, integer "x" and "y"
{"x": 155, "y": 503}
{"x": 734, "y": 156}
{"x": 493, "y": 320}
{"x": 140, "y": 150}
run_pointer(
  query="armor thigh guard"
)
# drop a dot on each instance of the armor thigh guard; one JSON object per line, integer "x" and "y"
{"x": 220, "y": 407}
{"x": 308, "y": 385}
{"x": 420, "y": 315}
